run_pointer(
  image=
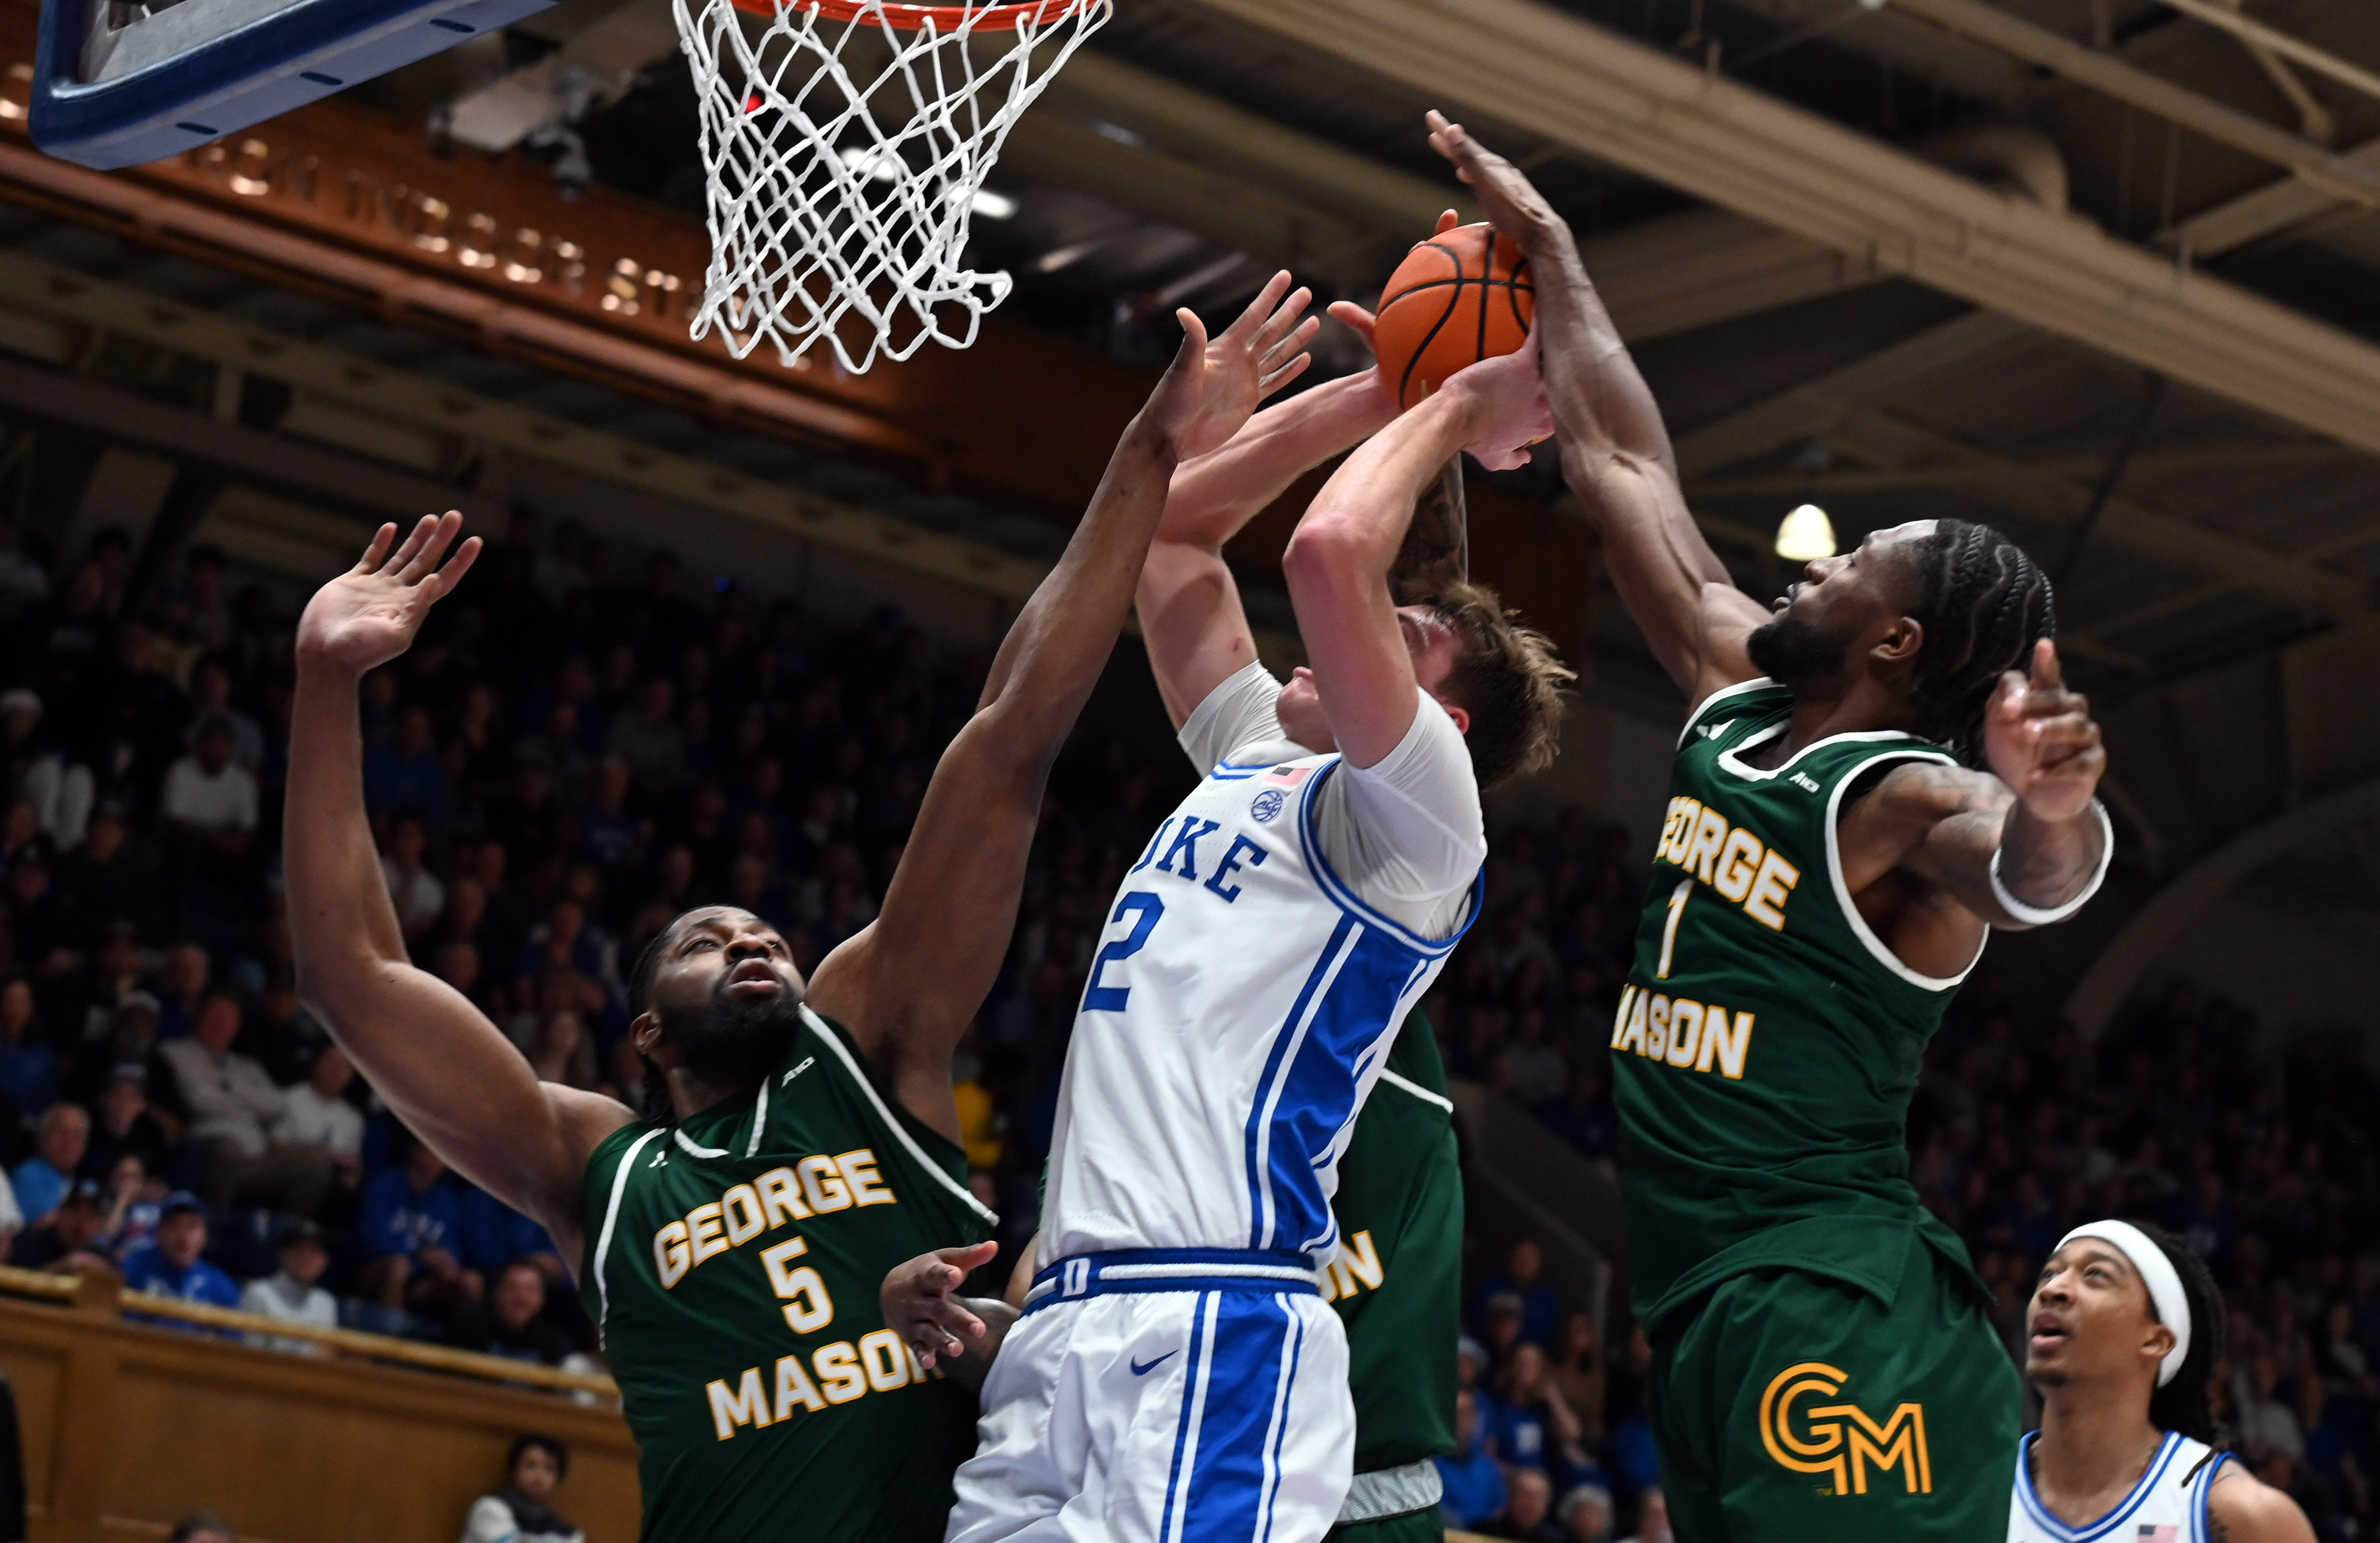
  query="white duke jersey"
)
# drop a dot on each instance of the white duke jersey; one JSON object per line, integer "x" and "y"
{"x": 2168, "y": 1505}
{"x": 1239, "y": 1009}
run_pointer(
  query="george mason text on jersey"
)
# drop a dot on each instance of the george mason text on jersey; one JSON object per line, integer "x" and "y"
{"x": 832, "y": 1374}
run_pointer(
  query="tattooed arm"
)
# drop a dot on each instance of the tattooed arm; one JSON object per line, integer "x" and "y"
{"x": 1936, "y": 853}
{"x": 2242, "y": 1508}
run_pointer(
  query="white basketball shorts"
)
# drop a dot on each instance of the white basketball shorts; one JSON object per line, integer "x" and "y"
{"x": 1163, "y": 1396}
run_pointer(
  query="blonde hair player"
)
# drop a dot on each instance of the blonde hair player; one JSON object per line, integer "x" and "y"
{"x": 2124, "y": 1332}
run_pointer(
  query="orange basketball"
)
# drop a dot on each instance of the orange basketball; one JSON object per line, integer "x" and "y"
{"x": 1460, "y": 296}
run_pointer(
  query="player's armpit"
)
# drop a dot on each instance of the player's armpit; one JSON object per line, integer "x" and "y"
{"x": 2242, "y": 1508}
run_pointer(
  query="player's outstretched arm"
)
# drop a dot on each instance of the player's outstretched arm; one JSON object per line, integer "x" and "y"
{"x": 908, "y": 984}
{"x": 1337, "y": 562}
{"x": 2019, "y": 847}
{"x": 1190, "y": 620}
{"x": 1615, "y": 451}
{"x": 448, "y": 1072}
{"x": 959, "y": 1334}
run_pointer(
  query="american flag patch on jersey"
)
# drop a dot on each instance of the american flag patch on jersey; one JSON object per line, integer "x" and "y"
{"x": 1287, "y": 776}
{"x": 2158, "y": 1535}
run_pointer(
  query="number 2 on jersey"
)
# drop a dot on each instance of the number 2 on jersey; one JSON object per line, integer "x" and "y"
{"x": 1100, "y": 997}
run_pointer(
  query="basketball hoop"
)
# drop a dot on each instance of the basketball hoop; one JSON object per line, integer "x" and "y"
{"x": 845, "y": 144}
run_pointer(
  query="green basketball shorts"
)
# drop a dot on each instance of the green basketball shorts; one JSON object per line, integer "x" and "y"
{"x": 1414, "y": 1526}
{"x": 1791, "y": 1407}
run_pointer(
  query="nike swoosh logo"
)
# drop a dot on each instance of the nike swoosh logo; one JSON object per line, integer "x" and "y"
{"x": 1142, "y": 1368}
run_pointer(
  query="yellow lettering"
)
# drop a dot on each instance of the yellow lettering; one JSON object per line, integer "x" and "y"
{"x": 824, "y": 1185}
{"x": 808, "y": 1306}
{"x": 858, "y": 1170}
{"x": 1634, "y": 1039}
{"x": 1683, "y": 830}
{"x": 1710, "y": 829}
{"x": 710, "y": 1237}
{"x": 885, "y": 1359}
{"x": 746, "y": 1405}
{"x": 1766, "y": 904}
{"x": 742, "y": 1207}
{"x": 1669, "y": 827}
{"x": 670, "y": 1255}
{"x": 1738, "y": 861}
{"x": 793, "y": 1386}
{"x": 1361, "y": 1258}
{"x": 1730, "y": 1048}
{"x": 1657, "y": 1033}
{"x": 838, "y": 1371}
{"x": 1685, "y": 1031}
{"x": 780, "y": 1198}
{"x": 1619, "y": 1019}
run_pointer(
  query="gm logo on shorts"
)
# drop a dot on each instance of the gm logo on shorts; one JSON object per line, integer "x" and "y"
{"x": 1810, "y": 1437}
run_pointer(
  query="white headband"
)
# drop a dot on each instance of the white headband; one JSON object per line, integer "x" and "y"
{"x": 2158, "y": 1273}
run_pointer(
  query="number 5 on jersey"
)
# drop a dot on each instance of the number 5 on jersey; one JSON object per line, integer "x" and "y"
{"x": 1098, "y": 996}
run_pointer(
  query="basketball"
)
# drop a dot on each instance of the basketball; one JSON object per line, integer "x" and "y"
{"x": 1460, "y": 296}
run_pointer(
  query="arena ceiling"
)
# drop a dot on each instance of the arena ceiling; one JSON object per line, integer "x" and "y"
{"x": 2100, "y": 272}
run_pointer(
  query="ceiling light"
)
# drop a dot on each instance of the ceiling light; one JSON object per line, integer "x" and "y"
{"x": 1807, "y": 535}
{"x": 994, "y": 206}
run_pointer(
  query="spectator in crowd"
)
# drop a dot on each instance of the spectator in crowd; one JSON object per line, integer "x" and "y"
{"x": 508, "y": 1319}
{"x": 69, "y": 1241}
{"x": 110, "y": 879}
{"x": 182, "y": 991}
{"x": 42, "y": 1180}
{"x": 1523, "y": 1276}
{"x": 410, "y": 1229}
{"x": 1585, "y": 1514}
{"x": 127, "y": 1127}
{"x": 294, "y": 1293}
{"x": 317, "y": 1117}
{"x": 521, "y": 1510}
{"x": 210, "y": 689}
{"x": 1576, "y": 1370}
{"x": 175, "y": 1265}
{"x": 418, "y": 897}
{"x": 493, "y": 1235}
{"x": 135, "y": 1199}
{"x": 209, "y": 799}
{"x": 1653, "y": 1518}
{"x": 202, "y": 1527}
{"x": 406, "y": 774}
{"x": 1528, "y": 1509}
{"x": 233, "y": 1104}
{"x": 1472, "y": 1483}
{"x": 27, "y": 1065}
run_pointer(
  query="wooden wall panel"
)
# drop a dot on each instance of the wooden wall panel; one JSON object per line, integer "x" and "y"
{"x": 128, "y": 1427}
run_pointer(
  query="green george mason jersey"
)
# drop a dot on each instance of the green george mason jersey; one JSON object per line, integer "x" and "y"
{"x": 733, "y": 1265}
{"x": 1767, "y": 1043}
{"x": 1397, "y": 1281}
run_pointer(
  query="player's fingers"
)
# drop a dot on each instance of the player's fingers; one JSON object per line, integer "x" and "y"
{"x": 1252, "y": 320}
{"x": 414, "y": 539}
{"x": 1356, "y": 319}
{"x": 2007, "y": 701}
{"x": 1297, "y": 338}
{"x": 2046, "y": 672}
{"x": 418, "y": 557}
{"x": 1287, "y": 318}
{"x": 1193, "y": 336}
{"x": 1284, "y": 375}
{"x": 1448, "y": 221}
{"x": 378, "y": 550}
{"x": 443, "y": 583}
{"x": 968, "y": 1259}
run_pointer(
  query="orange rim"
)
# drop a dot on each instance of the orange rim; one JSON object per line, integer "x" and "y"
{"x": 916, "y": 19}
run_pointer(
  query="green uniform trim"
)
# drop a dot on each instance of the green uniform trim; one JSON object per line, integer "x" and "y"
{"x": 1397, "y": 1282}
{"x": 733, "y": 1269}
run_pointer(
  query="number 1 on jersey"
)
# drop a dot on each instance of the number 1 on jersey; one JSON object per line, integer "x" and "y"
{"x": 1670, "y": 930}
{"x": 1098, "y": 998}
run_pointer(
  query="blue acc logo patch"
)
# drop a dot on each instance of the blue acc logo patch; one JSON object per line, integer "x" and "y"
{"x": 1267, "y": 804}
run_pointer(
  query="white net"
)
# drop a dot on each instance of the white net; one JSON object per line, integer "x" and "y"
{"x": 848, "y": 143}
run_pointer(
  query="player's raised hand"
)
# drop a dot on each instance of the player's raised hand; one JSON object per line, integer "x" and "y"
{"x": 1215, "y": 383}
{"x": 2039, "y": 738}
{"x": 921, "y": 1306}
{"x": 1506, "y": 196}
{"x": 369, "y": 615}
{"x": 1506, "y": 396}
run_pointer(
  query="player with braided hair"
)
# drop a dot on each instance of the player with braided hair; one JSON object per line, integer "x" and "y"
{"x": 1875, "y": 774}
{"x": 2125, "y": 1332}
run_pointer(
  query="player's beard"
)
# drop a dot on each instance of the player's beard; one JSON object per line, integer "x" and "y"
{"x": 1791, "y": 650}
{"x": 735, "y": 1042}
